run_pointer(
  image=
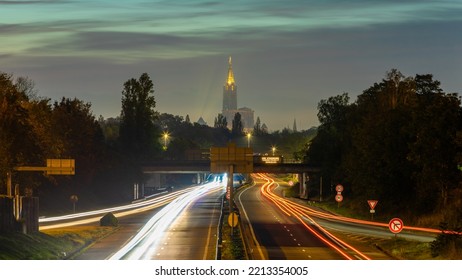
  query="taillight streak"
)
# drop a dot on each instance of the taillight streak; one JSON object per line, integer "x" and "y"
{"x": 293, "y": 209}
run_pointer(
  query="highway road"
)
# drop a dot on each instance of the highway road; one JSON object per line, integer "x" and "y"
{"x": 193, "y": 234}
{"x": 273, "y": 234}
{"x": 267, "y": 214}
{"x": 272, "y": 222}
{"x": 183, "y": 226}
{"x": 178, "y": 225}
{"x": 184, "y": 229}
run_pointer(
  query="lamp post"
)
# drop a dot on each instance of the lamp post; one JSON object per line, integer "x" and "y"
{"x": 248, "y": 139}
{"x": 273, "y": 149}
{"x": 165, "y": 135}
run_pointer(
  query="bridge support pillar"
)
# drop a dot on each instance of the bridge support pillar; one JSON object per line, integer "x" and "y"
{"x": 303, "y": 185}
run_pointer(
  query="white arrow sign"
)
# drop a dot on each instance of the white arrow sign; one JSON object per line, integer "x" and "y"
{"x": 396, "y": 225}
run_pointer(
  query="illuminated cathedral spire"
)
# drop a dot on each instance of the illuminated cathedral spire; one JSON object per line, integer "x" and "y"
{"x": 230, "y": 80}
{"x": 230, "y": 102}
{"x": 230, "y": 90}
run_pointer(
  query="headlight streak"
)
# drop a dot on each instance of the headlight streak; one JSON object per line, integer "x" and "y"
{"x": 120, "y": 211}
{"x": 145, "y": 242}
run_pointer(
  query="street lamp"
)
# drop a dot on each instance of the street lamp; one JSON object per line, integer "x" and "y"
{"x": 273, "y": 149}
{"x": 248, "y": 139}
{"x": 165, "y": 135}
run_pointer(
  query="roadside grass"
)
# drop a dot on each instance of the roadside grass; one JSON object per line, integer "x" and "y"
{"x": 232, "y": 246}
{"x": 343, "y": 209}
{"x": 403, "y": 249}
{"x": 50, "y": 244}
{"x": 396, "y": 247}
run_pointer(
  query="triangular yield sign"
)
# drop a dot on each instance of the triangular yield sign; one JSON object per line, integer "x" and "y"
{"x": 372, "y": 203}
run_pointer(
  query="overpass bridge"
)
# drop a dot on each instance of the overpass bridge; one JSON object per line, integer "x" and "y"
{"x": 202, "y": 168}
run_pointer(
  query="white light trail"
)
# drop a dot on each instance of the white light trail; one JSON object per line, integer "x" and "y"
{"x": 144, "y": 243}
{"x": 119, "y": 211}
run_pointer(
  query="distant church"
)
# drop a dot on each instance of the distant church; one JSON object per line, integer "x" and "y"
{"x": 230, "y": 102}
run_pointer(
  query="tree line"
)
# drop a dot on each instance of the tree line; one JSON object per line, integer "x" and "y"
{"x": 399, "y": 143}
{"x": 108, "y": 152}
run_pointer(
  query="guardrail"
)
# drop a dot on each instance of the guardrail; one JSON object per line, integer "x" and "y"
{"x": 220, "y": 231}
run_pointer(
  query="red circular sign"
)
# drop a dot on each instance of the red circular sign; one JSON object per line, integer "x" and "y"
{"x": 396, "y": 225}
{"x": 338, "y": 197}
{"x": 339, "y": 188}
{"x": 228, "y": 192}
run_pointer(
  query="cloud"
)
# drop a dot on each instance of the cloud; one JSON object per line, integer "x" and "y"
{"x": 28, "y": 2}
{"x": 303, "y": 50}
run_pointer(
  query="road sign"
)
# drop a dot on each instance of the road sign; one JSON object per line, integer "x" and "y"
{"x": 228, "y": 192}
{"x": 222, "y": 157}
{"x": 339, "y": 188}
{"x": 74, "y": 198}
{"x": 271, "y": 160}
{"x": 233, "y": 219}
{"x": 339, "y": 198}
{"x": 60, "y": 167}
{"x": 372, "y": 203}
{"x": 54, "y": 167}
{"x": 396, "y": 225}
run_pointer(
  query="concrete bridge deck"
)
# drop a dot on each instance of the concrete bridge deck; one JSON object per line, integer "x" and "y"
{"x": 194, "y": 166}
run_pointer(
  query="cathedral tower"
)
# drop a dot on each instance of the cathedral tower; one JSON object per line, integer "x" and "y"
{"x": 230, "y": 90}
{"x": 230, "y": 102}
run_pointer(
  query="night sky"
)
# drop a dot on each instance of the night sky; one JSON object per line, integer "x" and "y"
{"x": 287, "y": 55}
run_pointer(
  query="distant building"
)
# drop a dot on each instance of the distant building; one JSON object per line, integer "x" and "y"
{"x": 201, "y": 121}
{"x": 246, "y": 117}
{"x": 230, "y": 102}
{"x": 230, "y": 91}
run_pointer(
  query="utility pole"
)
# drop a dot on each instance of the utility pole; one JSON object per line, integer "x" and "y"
{"x": 320, "y": 189}
{"x": 9, "y": 190}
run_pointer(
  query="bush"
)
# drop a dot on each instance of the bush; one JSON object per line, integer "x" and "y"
{"x": 448, "y": 244}
{"x": 292, "y": 191}
{"x": 109, "y": 220}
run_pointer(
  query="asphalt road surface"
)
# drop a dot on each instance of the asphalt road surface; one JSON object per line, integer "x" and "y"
{"x": 277, "y": 236}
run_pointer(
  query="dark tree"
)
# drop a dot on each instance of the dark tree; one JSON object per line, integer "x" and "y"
{"x": 400, "y": 143}
{"x": 257, "y": 127}
{"x": 78, "y": 135}
{"x": 330, "y": 143}
{"x": 221, "y": 122}
{"x": 138, "y": 134}
{"x": 18, "y": 143}
{"x": 237, "y": 128}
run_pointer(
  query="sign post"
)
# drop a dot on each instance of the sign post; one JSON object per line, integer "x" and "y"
{"x": 339, "y": 196}
{"x": 372, "y": 204}
{"x": 231, "y": 159}
{"x": 53, "y": 167}
{"x": 74, "y": 198}
{"x": 231, "y": 187}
